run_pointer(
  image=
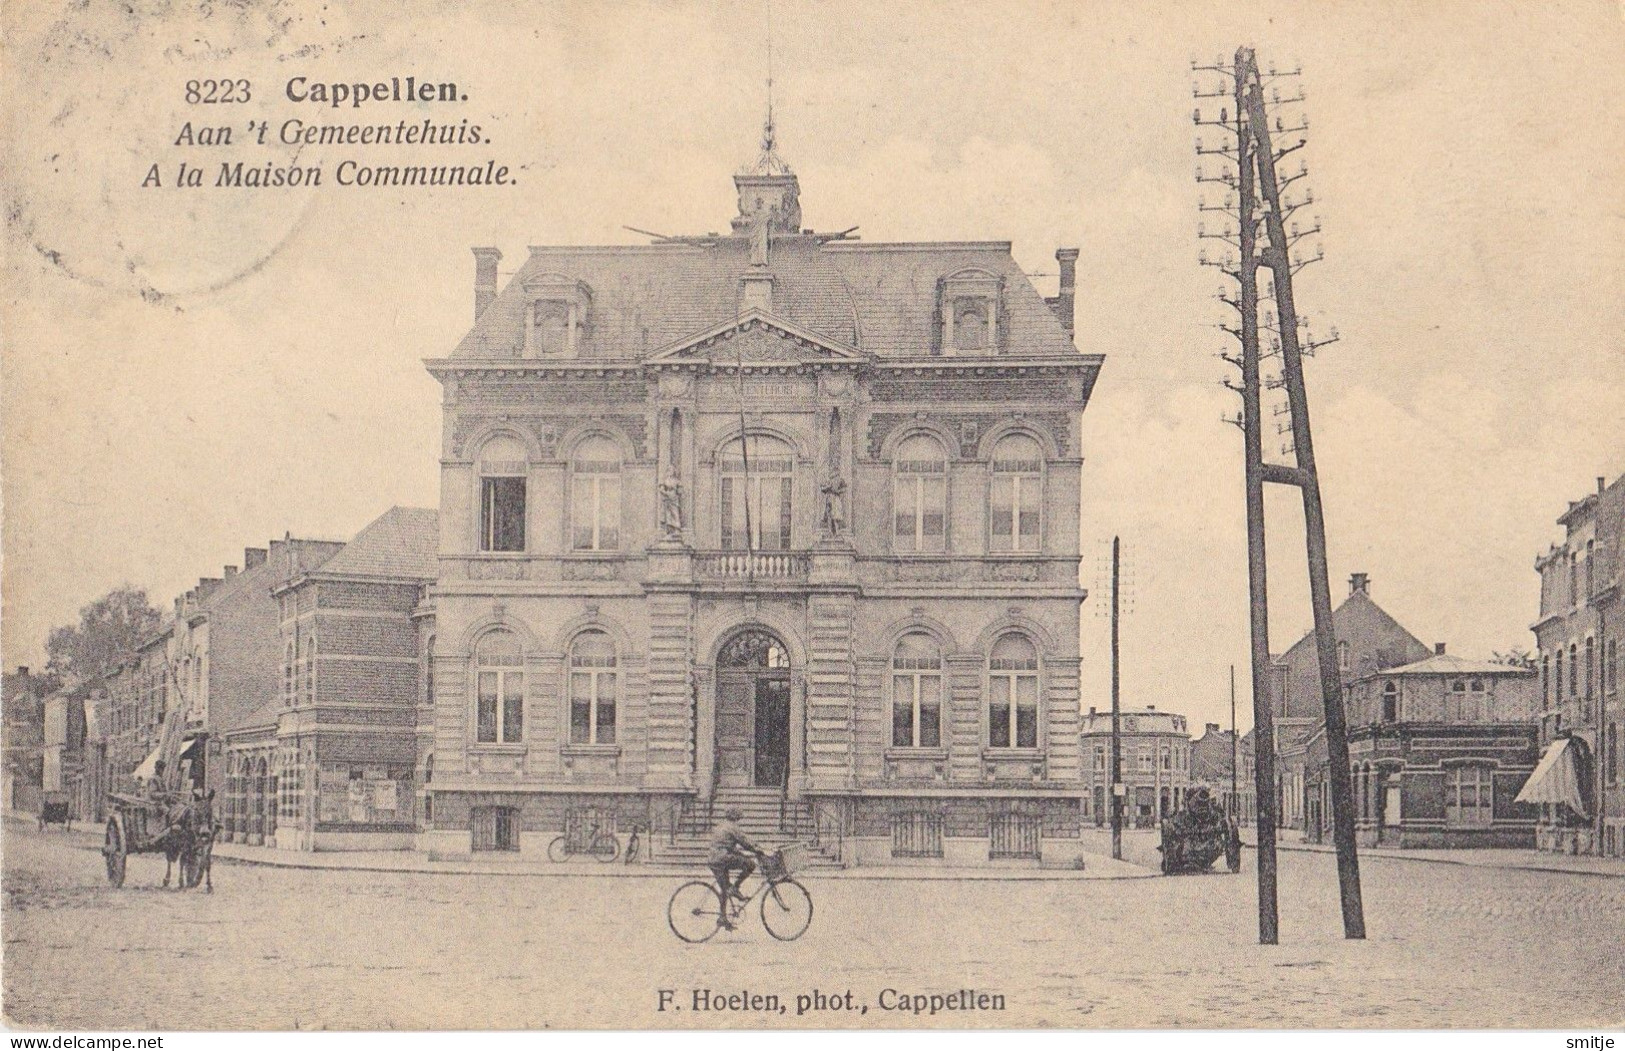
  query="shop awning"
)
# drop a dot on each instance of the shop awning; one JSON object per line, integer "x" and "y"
{"x": 1556, "y": 778}
{"x": 149, "y": 766}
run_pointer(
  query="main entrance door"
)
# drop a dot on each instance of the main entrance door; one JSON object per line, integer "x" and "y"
{"x": 753, "y": 711}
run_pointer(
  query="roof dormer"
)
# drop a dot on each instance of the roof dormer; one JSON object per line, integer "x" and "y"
{"x": 557, "y": 316}
{"x": 970, "y": 304}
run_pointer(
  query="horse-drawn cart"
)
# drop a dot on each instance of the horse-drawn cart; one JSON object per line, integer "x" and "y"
{"x": 55, "y": 810}
{"x": 1196, "y": 836}
{"x": 182, "y": 829}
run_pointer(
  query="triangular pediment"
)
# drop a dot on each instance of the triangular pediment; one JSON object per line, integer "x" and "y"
{"x": 759, "y": 337}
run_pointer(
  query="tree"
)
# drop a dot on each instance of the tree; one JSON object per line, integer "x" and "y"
{"x": 1516, "y": 657}
{"x": 108, "y": 629}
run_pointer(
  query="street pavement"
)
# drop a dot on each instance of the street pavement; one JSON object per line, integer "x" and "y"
{"x": 1450, "y": 945}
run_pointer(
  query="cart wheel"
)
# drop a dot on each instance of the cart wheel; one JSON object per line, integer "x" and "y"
{"x": 114, "y": 852}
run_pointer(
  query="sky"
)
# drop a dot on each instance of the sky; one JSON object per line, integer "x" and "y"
{"x": 189, "y": 372}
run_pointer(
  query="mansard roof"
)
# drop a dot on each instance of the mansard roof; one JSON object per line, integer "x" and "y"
{"x": 879, "y": 299}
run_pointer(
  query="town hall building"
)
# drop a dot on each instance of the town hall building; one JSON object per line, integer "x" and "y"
{"x": 773, "y": 519}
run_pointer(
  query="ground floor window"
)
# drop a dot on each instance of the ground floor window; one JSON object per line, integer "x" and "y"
{"x": 363, "y": 794}
{"x": 494, "y": 827}
{"x": 1469, "y": 797}
{"x": 916, "y": 834}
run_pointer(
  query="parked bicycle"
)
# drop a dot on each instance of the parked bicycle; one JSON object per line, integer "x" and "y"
{"x": 599, "y": 843}
{"x": 697, "y": 910}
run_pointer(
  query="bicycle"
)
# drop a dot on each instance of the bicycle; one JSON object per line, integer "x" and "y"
{"x": 695, "y": 912}
{"x": 600, "y": 843}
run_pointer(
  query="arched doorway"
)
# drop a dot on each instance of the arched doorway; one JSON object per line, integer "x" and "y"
{"x": 753, "y": 711}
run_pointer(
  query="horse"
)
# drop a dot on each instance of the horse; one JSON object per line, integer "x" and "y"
{"x": 188, "y": 837}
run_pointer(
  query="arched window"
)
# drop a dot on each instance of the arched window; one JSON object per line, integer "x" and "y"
{"x": 1390, "y": 702}
{"x": 503, "y": 466}
{"x": 595, "y": 496}
{"x": 428, "y": 672}
{"x": 1590, "y": 667}
{"x": 757, "y": 478}
{"x": 1545, "y": 680}
{"x": 500, "y": 703}
{"x": 919, "y": 495}
{"x": 310, "y": 669}
{"x": 1574, "y": 670}
{"x": 1342, "y": 656}
{"x": 1611, "y": 756}
{"x": 1016, "y": 494}
{"x": 917, "y": 692}
{"x": 1012, "y": 703}
{"x": 1557, "y": 677}
{"x": 592, "y": 689}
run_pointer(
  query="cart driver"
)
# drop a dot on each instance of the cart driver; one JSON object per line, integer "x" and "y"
{"x": 731, "y": 852}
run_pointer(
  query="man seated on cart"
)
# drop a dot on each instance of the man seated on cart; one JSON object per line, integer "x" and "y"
{"x": 731, "y": 851}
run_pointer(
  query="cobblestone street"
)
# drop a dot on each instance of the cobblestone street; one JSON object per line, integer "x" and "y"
{"x": 284, "y": 948}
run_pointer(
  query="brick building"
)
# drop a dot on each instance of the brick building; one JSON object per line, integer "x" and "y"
{"x": 1215, "y": 756}
{"x": 1368, "y": 639}
{"x": 774, "y": 518}
{"x": 1154, "y": 749}
{"x": 1439, "y": 749}
{"x": 1580, "y": 784}
{"x": 338, "y": 758}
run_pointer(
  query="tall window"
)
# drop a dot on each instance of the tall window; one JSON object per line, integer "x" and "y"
{"x": 1611, "y": 671}
{"x": 1557, "y": 677}
{"x": 1390, "y": 702}
{"x": 916, "y": 692}
{"x": 755, "y": 492}
{"x": 502, "y": 495}
{"x": 500, "y": 710}
{"x": 920, "y": 495}
{"x": 287, "y": 675}
{"x": 1468, "y": 701}
{"x": 1545, "y": 680}
{"x": 310, "y": 669}
{"x": 592, "y": 689}
{"x": 1100, "y": 758}
{"x": 1012, "y": 701}
{"x": 1017, "y": 492}
{"x": 595, "y": 496}
{"x": 1611, "y": 755}
{"x": 1590, "y": 666}
{"x": 1574, "y": 670}
{"x": 1343, "y": 656}
{"x": 1469, "y": 798}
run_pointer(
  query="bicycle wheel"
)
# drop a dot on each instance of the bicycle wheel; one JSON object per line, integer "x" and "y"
{"x": 787, "y": 910}
{"x": 559, "y": 849}
{"x": 694, "y": 913}
{"x": 605, "y": 847}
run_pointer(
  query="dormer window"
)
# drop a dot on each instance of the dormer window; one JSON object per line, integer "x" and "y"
{"x": 557, "y": 317}
{"x": 970, "y": 303}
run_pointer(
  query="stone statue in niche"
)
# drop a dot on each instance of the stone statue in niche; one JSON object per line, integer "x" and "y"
{"x": 671, "y": 506}
{"x": 834, "y": 491}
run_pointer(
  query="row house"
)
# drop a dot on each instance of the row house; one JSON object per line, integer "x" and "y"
{"x": 1224, "y": 766}
{"x": 1154, "y": 752}
{"x": 1368, "y": 640}
{"x": 1579, "y": 785}
{"x": 771, "y": 518}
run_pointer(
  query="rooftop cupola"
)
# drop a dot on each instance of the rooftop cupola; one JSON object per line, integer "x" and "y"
{"x": 768, "y": 190}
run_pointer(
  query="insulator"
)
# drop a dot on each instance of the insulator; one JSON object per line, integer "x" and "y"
{"x": 1224, "y": 115}
{"x": 1196, "y": 116}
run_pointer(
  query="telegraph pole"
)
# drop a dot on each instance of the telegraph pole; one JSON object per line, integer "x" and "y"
{"x": 1258, "y": 202}
{"x": 1117, "y": 750}
{"x": 1307, "y": 480}
{"x": 1235, "y": 750}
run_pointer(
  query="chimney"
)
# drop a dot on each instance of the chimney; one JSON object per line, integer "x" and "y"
{"x": 253, "y": 556}
{"x": 1438, "y": 649}
{"x": 22, "y": 672}
{"x": 1359, "y": 584}
{"x": 1065, "y": 302}
{"x": 230, "y": 572}
{"x": 1602, "y": 483}
{"x": 1210, "y": 728}
{"x": 485, "y": 278}
{"x": 1150, "y": 707}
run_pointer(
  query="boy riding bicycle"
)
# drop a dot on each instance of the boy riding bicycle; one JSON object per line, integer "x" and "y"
{"x": 731, "y": 851}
